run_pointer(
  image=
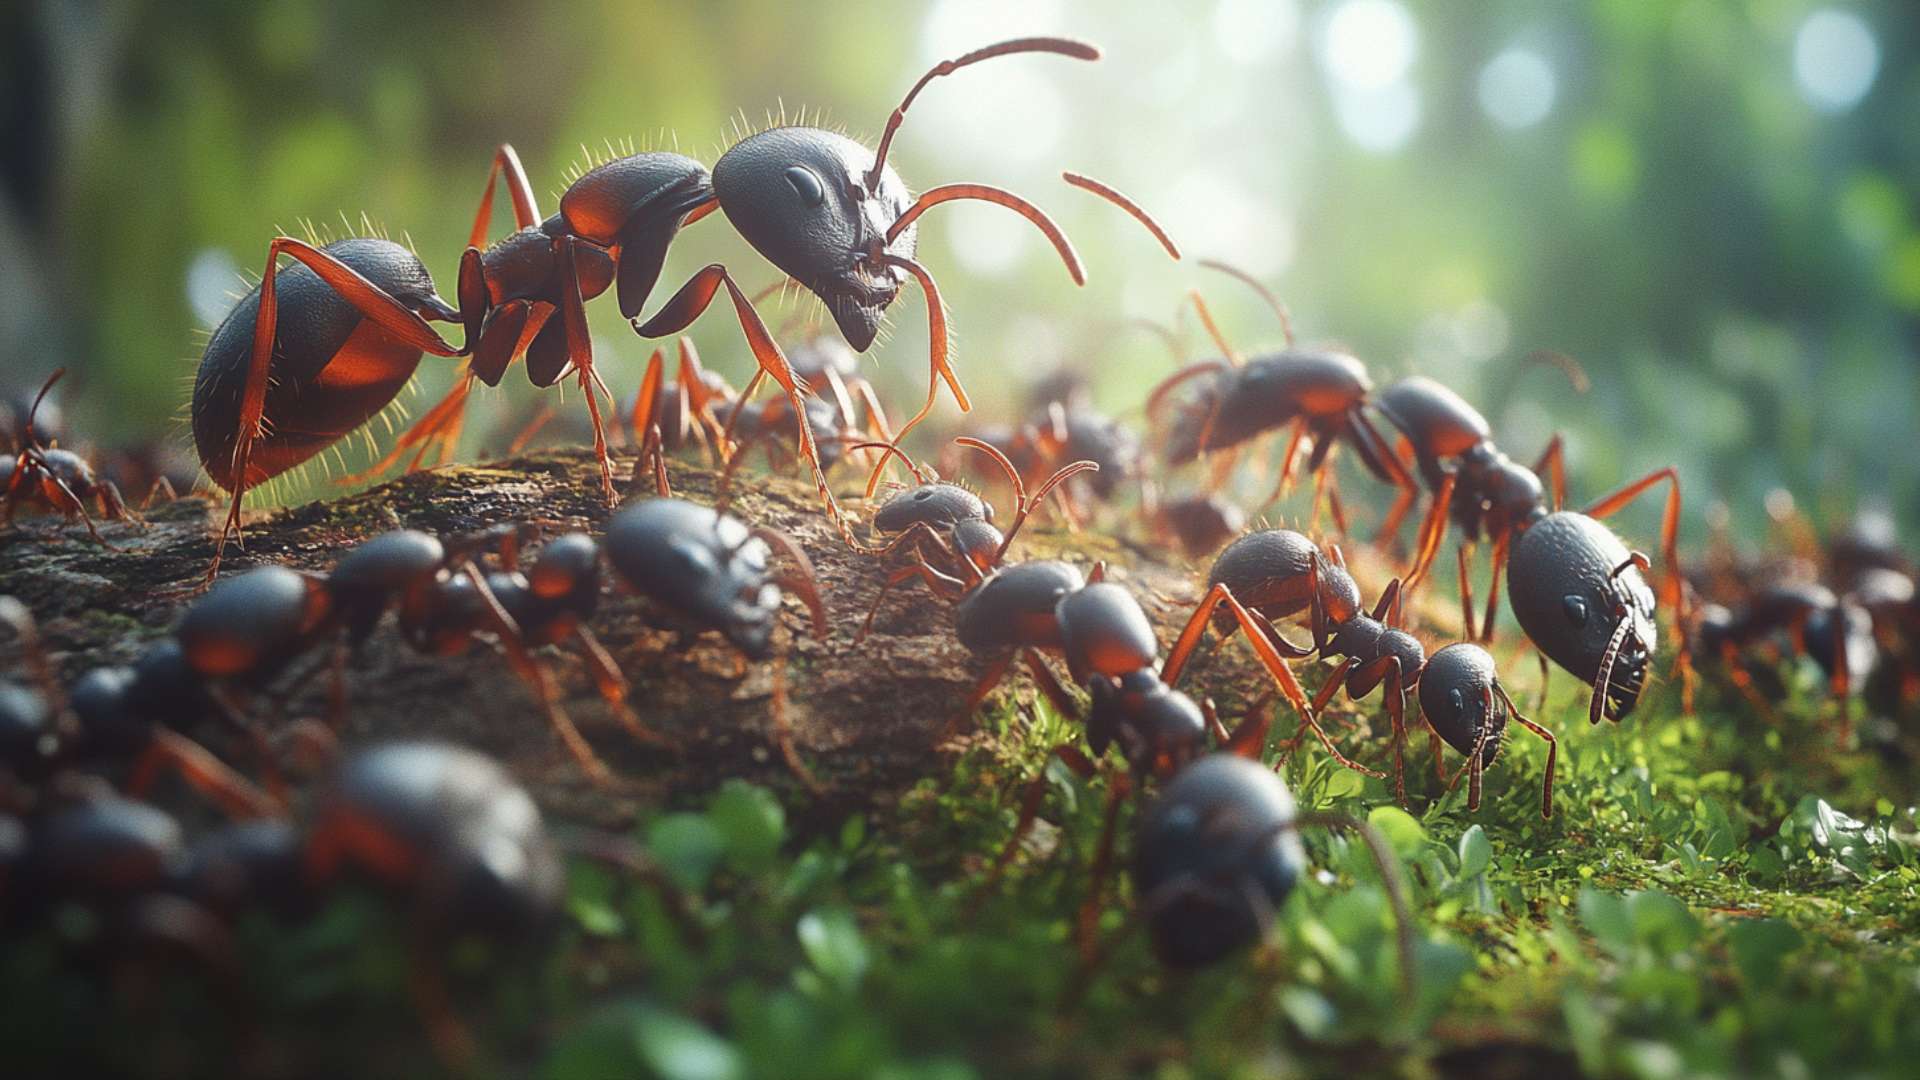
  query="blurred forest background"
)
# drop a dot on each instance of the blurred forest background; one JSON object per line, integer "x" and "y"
{"x": 1714, "y": 205}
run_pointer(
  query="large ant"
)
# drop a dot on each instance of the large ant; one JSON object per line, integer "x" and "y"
{"x": 821, "y": 207}
{"x": 1575, "y": 588}
{"x": 39, "y": 473}
{"x": 1321, "y": 393}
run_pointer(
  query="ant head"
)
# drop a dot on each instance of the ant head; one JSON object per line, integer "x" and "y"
{"x": 837, "y": 218}
{"x": 800, "y": 197}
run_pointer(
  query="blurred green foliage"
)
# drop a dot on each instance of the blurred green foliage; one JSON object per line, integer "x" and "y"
{"x": 1739, "y": 270}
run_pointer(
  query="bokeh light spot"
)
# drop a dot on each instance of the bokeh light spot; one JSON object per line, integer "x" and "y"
{"x": 1835, "y": 59}
{"x": 1517, "y": 88}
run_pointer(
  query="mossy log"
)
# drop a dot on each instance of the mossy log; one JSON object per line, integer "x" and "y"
{"x": 867, "y": 717}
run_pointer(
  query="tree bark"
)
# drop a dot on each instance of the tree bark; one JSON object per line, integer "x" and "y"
{"x": 866, "y": 717}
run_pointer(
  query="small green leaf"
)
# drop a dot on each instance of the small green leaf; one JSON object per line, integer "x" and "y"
{"x": 678, "y": 1048}
{"x": 751, "y": 824}
{"x": 688, "y": 847}
{"x": 1605, "y": 916}
{"x": 1476, "y": 852}
{"x": 1400, "y": 828}
{"x": 832, "y": 942}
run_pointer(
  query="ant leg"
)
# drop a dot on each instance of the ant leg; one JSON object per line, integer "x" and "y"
{"x": 1742, "y": 681}
{"x": 939, "y": 344}
{"x": 62, "y": 499}
{"x": 161, "y": 487}
{"x": 1672, "y": 587}
{"x": 1334, "y": 506}
{"x": 1030, "y": 799}
{"x": 647, "y": 398}
{"x": 452, "y": 1042}
{"x": 1087, "y": 920}
{"x": 365, "y": 297}
{"x": 1385, "y": 672}
{"x": 1157, "y": 397}
{"x": 1553, "y": 748}
{"x": 113, "y": 506}
{"x": 687, "y": 304}
{"x": 573, "y": 310}
{"x": 783, "y": 729}
{"x": 1499, "y": 560}
{"x": 1432, "y": 531}
{"x": 234, "y": 794}
{"x": 613, "y": 685}
{"x": 1287, "y": 458}
{"x": 526, "y": 212}
{"x": 1464, "y": 557}
{"x": 1553, "y": 465}
{"x": 1057, "y": 695}
{"x": 514, "y": 644}
{"x": 989, "y": 679}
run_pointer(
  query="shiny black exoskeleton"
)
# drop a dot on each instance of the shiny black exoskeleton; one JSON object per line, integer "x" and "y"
{"x": 1215, "y": 856}
{"x": 1463, "y": 701}
{"x": 447, "y": 827}
{"x": 706, "y": 568}
{"x": 1583, "y": 599}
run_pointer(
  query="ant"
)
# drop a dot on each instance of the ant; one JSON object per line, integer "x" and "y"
{"x": 247, "y": 630}
{"x": 131, "y": 715}
{"x": 1217, "y": 854}
{"x": 1322, "y": 393}
{"x": 944, "y": 531}
{"x": 1197, "y": 524}
{"x": 710, "y": 571}
{"x": 39, "y": 473}
{"x": 1578, "y": 593}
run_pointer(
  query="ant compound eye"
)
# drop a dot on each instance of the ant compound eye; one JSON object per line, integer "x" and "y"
{"x": 806, "y": 185}
{"x": 1576, "y": 609}
{"x": 922, "y": 495}
{"x": 1457, "y": 700}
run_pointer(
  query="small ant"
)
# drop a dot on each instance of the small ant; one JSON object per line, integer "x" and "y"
{"x": 39, "y": 473}
{"x": 1322, "y": 393}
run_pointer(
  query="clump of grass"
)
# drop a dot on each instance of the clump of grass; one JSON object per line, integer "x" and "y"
{"x": 1712, "y": 897}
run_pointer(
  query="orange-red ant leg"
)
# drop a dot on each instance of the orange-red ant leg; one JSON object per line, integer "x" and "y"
{"x": 365, "y": 297}
{"x": 1499, "y": 560}
{"x": 573, "y": 309}
{"x": 612, "y": 685}
{"x": 989, "y": 679}
{"x": 1553, "y": 747}
{"x": 647, "y": 398}
{"x": 1031, "y": 797}
{"x": 1385, "y": 672}
{"x": 514, "y": 644}
{"x": 541, "y": 418}
{"x": 1553, "y": 465}
{"x": 939, "y": 346}
{"x": 1464, "y": 555}
{"x": 686, "y": 305}
{"x": 1087, "y": 921}
{"x": 1057, "y": 694}
{"x": 234, "y": 794}
{"x": 1432, "y": 531}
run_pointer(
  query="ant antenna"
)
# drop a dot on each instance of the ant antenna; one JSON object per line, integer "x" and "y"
{"x": 27, "y": 431}
{"x": 1078, "y": 50}
{"x": 1213, "y": 328}
{"x": 1568, "y": 366}
{"x": 1088, "y": 183}
{"x": 925, "y": 474}
{"x": 1023, "y": 505}
{"x": 1280, "y": 309}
